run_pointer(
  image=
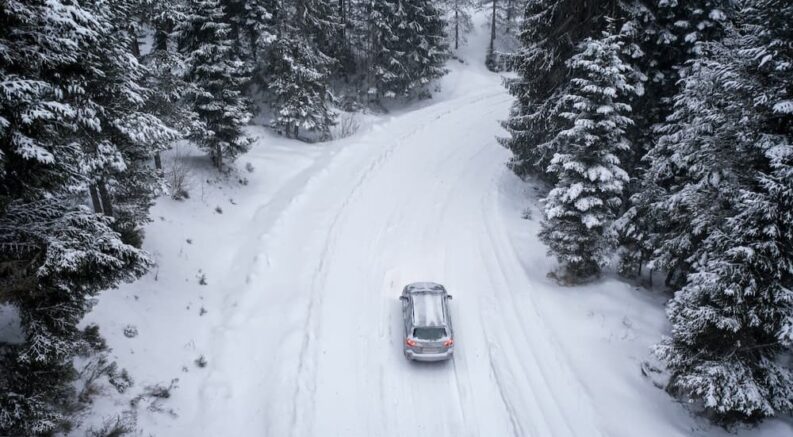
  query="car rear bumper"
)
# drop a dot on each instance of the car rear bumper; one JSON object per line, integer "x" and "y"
{"x": 421, "y": 356}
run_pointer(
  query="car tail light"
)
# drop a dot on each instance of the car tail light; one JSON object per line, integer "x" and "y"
{"x": 410, "y": 342}
{"x": 448, "y": 343}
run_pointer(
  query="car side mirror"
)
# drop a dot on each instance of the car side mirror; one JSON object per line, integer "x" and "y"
{"x": 449, "y": 296}
{"x": 403, "y": 298}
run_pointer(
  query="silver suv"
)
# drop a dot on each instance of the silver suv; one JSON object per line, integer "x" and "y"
{"x": 428, "y": 328}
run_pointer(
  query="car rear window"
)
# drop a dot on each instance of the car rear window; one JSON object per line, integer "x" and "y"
{"x": 429, "y": 332}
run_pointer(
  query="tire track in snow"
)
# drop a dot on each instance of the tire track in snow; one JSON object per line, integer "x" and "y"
{"x": 267, "y": 217}
{"x": 537, "y": 341}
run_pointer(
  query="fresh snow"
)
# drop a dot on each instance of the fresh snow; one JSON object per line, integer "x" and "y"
{"x": 428, "y": 309}
{"x": 304, "y": 261}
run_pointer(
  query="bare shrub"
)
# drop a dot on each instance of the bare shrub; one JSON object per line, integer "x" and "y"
{"x": 156, "y": 395}
{"x": 130, "y": 331}
{"x": 178, "y": 177}
{"x": 349, "y": 124}
{"x": 118, "y": 426}
{"x": 97, "y": 368}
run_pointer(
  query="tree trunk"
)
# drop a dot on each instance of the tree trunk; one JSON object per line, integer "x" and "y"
{"x": 158, "y": 162}
{"x": 134, "y": 44}
{"x": 95, "y": 199}
{"x": 218, "y": 158}
{"x": 160, "y": 40}
{"x": 493, "y": 29}
{"x": 615, "y": 18}
{"x": 107, "y": 203}
{"x": 343, "y": 15}
{"x": 456, "y": 29}
{"x": 163, "y": 29}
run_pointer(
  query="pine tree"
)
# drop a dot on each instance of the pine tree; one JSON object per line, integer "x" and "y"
{"x": 590, "y": 182}
{"x": 550, "y": 33}
{"x": 733, "y": 316}
{"x": 663, "y": 38}
{"x": 219, "y": 74}
{"x": 509, "y": 16}
{"x": 119, "y": 154}
{"x": 672, "y": 35}
{"x": 69, "y": 114}
{"x": 253, "y": 24}
{"x": 319, "y": 20}
{"x": 298, "y": 71}
{"x": 459, "y": 21}
{"x": 407, "y": 47}
{"x": 167, "y": 68}
{"x": 297, "y": 82}
{"x": 506, "y": 18}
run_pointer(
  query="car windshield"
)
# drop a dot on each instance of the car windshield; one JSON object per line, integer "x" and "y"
{"x": 429, "y": 332}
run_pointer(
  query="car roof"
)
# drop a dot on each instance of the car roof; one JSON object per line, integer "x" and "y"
{"x": 424, "y": 287}
{"x": 428, "y": 309}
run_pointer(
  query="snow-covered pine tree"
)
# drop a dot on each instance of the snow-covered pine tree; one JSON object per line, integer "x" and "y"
{"x": 458, "y": 19}
{"x": 672, "y": 35}
{"x": 215, "y": 68}
{"x": 298, "y": 71}
{"x": 506, "y": 18}
{"x": 732, "y": 132}
{"x": 253, "y": 24}
{"x": 590, "y": 182}
{"x": 550, "y": 33}
{"x": 319, "y": 20}
{"x": 55, "y": 253}
{"x": 119, "y": 152}
{"x": 665, "y": 36}
{"x": 297, "y": 83}
{"x": 662, "y": 38}
{"x": 509, "y": 16}
{"x": 408, "y": 47}
{"x": 166, "y": 72}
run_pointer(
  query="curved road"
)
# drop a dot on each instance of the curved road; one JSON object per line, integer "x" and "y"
{"x": 311, "y": 346}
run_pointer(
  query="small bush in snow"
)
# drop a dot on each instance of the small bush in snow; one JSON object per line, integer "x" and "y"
{"x": 130, "y": 331}
{"x": 115, "y": 427}
{"x": 202, "y": 278}
{"x": 160, "y": 391}
{"x": 93, "y": 338}
{"x": 157, "y": 394}
{"x": 201, "y": 361}
{"x": 121, "y": 381}
{"x": 178, "y": 178}
{"x": 219, "y": 210}
{"x": 97, "y": 369}
{"x": 348, "y": 125}
{"x": 249, "y": 167}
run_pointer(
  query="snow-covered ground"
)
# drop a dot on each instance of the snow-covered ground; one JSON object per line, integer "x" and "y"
{"x": 303, "y": 263}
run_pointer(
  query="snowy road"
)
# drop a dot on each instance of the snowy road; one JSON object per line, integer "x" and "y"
{"x": 274, "y": 307}
{"x": 315, "y": 326}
